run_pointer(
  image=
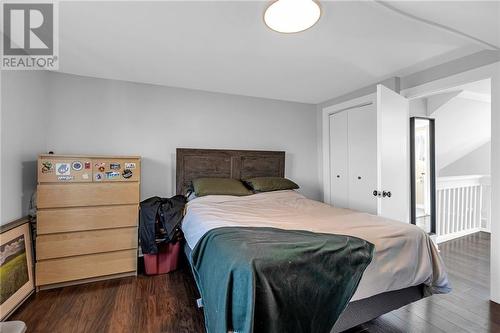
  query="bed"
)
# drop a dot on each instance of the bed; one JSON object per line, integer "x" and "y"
{"x": 405, "y": 268}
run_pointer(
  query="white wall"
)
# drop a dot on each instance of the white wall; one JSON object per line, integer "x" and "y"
{"x": 477, "y": 162}
{"x": 495, "y": 183}
{"x": 463, "y": 132}
{"x": 96, "y": 116}
{"x": 418, "y": 107}
{"x": 462, "y": 126}
{"x": 23, "y": 119}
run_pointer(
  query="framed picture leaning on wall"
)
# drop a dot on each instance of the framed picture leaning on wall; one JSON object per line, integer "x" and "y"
{"x": 16, "y": 266}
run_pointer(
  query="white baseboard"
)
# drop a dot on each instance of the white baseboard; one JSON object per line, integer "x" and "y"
{"x": 458, "y": 234}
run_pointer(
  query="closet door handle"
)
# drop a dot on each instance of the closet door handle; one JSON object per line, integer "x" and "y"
{"x": 338, "y": 176}
{"x": 376, "y": 193}
{"x": 386, "y": 194}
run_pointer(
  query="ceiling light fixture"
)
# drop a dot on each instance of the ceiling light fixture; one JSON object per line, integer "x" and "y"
{"x": 289, "y": 16}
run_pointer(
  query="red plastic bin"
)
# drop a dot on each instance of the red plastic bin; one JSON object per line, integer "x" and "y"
{"x": 166, "y": 260}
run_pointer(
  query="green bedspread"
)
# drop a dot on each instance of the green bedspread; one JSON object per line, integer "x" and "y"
{"x": 272, "y": 280}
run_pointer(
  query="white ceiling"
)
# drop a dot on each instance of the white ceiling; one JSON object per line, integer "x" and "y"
{"x": 478, "y": 19}
{"x": 225, "y": 46}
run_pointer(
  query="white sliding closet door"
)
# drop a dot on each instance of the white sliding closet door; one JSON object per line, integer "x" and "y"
{"x": 393, "y": 154}
{"x": 339, "y": 181}
{"x": 362, "y": 142}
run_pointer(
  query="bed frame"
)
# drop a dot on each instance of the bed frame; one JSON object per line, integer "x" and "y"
{"x": 243, "y": 164}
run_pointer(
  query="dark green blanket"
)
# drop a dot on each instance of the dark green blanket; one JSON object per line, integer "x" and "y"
{"x": 273, "y": 280}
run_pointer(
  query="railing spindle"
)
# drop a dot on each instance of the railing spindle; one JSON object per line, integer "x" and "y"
{"x": 474, "y": 209}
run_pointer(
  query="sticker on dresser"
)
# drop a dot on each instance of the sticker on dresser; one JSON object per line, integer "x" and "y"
{"x": 127, "y": 173}
{"x": 47, "y": 167}
{"x": 77, "y": 165}
{"x": 114, "y": 166}
{"x": 130, "y": 165}
{"x": 63, "y": 169}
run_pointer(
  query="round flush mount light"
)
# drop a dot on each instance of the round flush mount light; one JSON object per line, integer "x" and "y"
{"x": 289, "y": 16}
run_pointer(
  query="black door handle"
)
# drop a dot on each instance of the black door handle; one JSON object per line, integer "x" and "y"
{"x": 376, "y": 193}
{"x": 386, "y": 194}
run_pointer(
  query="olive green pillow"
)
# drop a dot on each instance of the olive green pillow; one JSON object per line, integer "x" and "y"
{"x": 219, "y": 186}
{"x": 266, "y": 184}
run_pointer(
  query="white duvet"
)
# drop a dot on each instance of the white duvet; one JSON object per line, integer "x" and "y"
{"x": 404, "y": 254}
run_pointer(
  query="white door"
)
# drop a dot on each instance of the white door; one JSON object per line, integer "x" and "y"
{"x": 393, "y": 154}
{"x": 362, "y": 138}
{"x": 339, "y": 185}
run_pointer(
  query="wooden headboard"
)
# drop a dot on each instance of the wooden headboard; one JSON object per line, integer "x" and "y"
{"x": 237, "y": 164}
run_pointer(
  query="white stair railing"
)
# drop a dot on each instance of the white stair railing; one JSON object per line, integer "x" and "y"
{"x": 462, "y": 204}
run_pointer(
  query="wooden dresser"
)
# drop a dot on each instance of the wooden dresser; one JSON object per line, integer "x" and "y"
{"x": 87, "y": 218}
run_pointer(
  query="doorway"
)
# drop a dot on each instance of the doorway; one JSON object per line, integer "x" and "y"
{"x": 491, "y": 73}
{"x": 450, "y": 141}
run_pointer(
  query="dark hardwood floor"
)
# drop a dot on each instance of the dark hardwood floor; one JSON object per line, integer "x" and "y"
{"x": 466, "y": 309}
{"x": 166, "y": 303}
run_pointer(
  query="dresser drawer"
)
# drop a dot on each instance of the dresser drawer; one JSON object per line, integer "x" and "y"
{"x": 92, "y": 194}
{"x": 86, "y": 266}
{"x": 85, "y": 242}
{"x": 56, "y": 220}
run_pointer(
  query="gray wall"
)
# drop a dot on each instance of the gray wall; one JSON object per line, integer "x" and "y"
{"x": 96, "y": 116}
{"x": 72, "y": 114}
{"x": 23, "y": 129}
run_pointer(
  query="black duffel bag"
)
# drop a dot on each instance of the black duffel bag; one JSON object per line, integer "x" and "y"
{"x": 160, "y": 221}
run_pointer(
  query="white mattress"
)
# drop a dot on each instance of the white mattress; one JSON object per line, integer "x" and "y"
{"x": 404, "y": 254}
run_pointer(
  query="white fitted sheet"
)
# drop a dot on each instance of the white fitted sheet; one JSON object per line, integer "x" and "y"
{"x": 404, "y": 254}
